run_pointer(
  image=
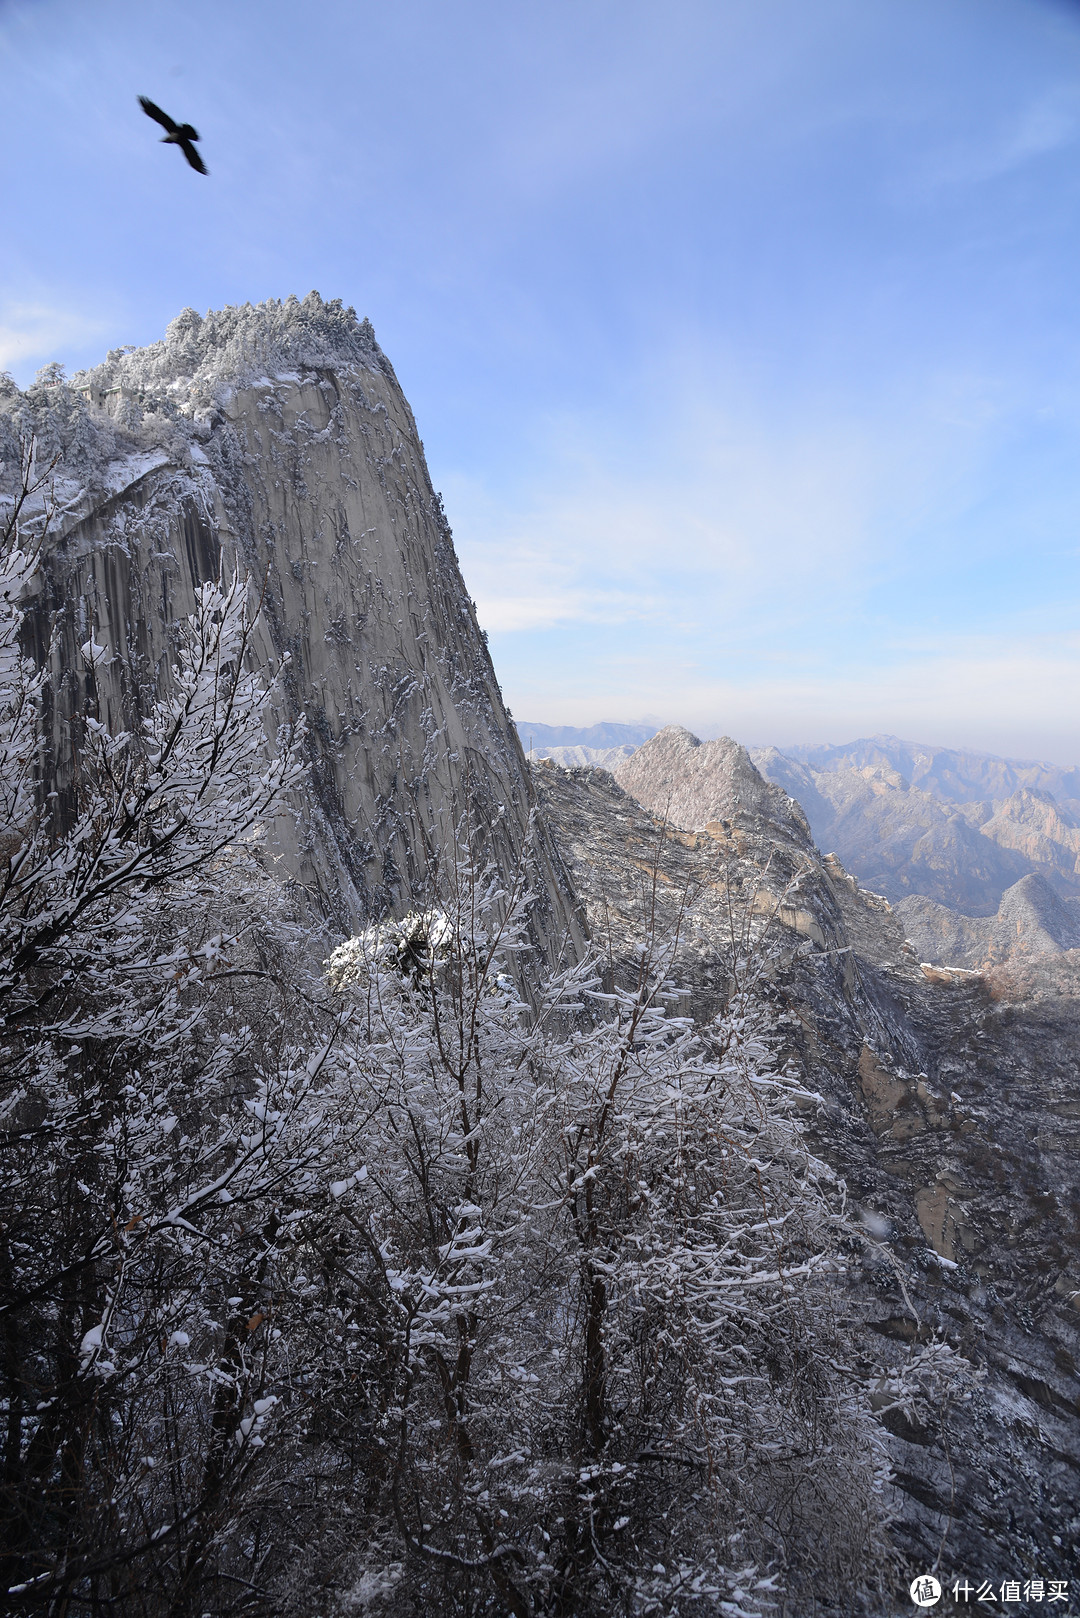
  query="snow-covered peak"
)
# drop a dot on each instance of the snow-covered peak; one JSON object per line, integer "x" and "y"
{"x": 201, "y": 357}
{"x": 151, "y": 400}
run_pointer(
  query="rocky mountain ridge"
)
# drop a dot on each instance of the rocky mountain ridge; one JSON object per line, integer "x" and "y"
{"x": 1031, "y": 920}
{"x": 954, "y": 827}
{"x": 696, "y": 783}
{"x": 948, "y": 1102}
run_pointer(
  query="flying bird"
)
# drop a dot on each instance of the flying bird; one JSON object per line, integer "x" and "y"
{"x": 181, "y": 135}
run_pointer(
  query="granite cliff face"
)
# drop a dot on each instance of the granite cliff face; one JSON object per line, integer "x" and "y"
{"x": 948, "y": 1102}
{"x": 277, "y": 440}
{"x": 695, "y": 783}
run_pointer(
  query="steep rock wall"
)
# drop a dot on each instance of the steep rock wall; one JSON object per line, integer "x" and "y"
{"x": 277, "y": 440}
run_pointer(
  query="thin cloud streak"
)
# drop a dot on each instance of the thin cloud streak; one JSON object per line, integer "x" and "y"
{"x": 43, "y": 332}
{"x": 1049, "y": 123}
{"x": 1016, "y": 700}
{"x": 711, "y": 519}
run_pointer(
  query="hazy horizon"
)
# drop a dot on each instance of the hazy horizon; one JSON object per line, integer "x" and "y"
{"x": 711, "y": 730}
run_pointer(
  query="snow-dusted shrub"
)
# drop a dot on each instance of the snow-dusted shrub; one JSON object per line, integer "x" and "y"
{"x": 414, "y": 945}
{"x": 153, "y": 397}
{"x": 20, "y": 681}
{"x": 203, "y": 356}
{"x": 598, "y": 1269}
{"x": 64, "y": 437}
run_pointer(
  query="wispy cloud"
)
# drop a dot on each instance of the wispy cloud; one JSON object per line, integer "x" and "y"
{"x": 43, "y": 332}
{"x": 1013, "y": 698}
{"x": 707, "y": 520}
{"x": 532, "y": 610}
{"x": 1048, "y": 123}
{"x": 827, "y": 579}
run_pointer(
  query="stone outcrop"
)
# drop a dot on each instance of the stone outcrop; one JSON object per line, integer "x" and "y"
{"x": 1031, "y": 920}
{"x": 694, "y": 783}
{"x": 948, "y": 1103}
{"x": 277, "y": 441}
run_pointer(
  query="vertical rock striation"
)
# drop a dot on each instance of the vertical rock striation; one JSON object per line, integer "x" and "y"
{"x": 277, "y": 440}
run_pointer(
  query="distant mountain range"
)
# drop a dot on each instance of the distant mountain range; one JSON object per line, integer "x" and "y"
{"x": 980, "y": 855}
{"x": 596, "y": 758}
{"x": 954, "y": 775}
{"x": 955, "y": 826}
{"x": 602, "y": 737}
{"x": 1031, "y": 921}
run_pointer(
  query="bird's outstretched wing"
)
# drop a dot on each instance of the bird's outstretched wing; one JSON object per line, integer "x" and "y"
{"x": 193, "y": 157}
{"x": 153, "y": 111}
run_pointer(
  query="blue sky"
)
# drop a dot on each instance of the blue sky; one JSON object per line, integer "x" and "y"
{"x": 743, "y": 336}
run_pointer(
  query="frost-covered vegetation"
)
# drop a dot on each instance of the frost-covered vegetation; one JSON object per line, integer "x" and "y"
{"x": 200, "y": 356}
{"x": 385, "y": 1287}
{"x": 139, "y": 398}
